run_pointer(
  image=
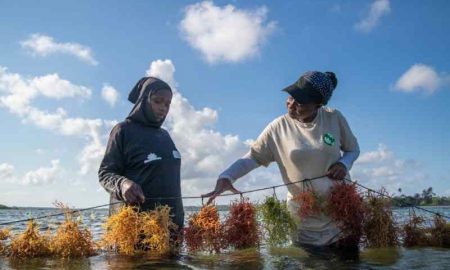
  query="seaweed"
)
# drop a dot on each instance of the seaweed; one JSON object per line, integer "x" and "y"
{"x": 440, "y": 232}
{"x": 204, "y": 231}
{"x": 157, "y": 228}
{"x": 4, "y": 234}
{"x": 122, "y": 231}
{"x": 30, "y": 243}
{"x": 345, "y": 207}
{"x": 241, "y": 227}
{"x": 379, "y": 226}
{"x": 415, "y": 232}
{"x": 71, "y": 239}
{"x": 277, "y": 221}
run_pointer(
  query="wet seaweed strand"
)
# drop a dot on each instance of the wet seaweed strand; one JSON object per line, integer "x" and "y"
{"x": 71, "y": 239}
{"x": 277, "y": 221}
{"x": 345, "y": 207}
{"x": 379, "y": 226}
{"x": 414, "y": 232}
{"x": 204, "y": 231}
{"x": 4, "y": 234}
{"x": 308, "y": 204}
{"x": 122, "y": 231}
{"x": 241, "y": 228}
{"x": 130, "y": 231}
{"x": 30, "y": 243}
{"x": 440, "y": 232}
{"x": 157, "y": 229}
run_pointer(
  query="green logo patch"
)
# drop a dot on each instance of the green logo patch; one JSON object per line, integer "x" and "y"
{"x": 328, "y": 139}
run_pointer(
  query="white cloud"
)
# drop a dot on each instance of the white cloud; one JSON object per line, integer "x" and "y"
{"x": 378, "y": 9}
{"x": 20, "y": 93}
{"x": 43, "y": 45}
{"x": 205, "y": 152}
{"x": 420, "y": 77}
{"x": 164, "y": 70}
{"x": 54, "y": 87}
{"x": 381, "y": 154}
{"x": 110, "y": 94}
{"x": 44, "y": 175}
{"x": 7, "y": 173}
{"x": 380, "y": 168}
{"x": 225, "y": 34}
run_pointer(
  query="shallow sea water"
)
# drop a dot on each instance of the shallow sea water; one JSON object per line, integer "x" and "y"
{"x": 262, "y": 258}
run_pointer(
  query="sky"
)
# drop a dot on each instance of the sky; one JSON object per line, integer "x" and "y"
{"x": 66, "y": 68}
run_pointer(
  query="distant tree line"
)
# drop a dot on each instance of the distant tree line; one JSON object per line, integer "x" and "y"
{"x": 426, "y": 198}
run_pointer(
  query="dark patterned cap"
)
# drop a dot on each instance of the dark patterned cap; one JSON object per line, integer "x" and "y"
{"x": 313, "y": 87}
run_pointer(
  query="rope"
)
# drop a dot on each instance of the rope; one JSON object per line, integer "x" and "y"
{"x": 58, "y": 214}
{"x": 221, "y": 195}
{"x": 390, "y": 197}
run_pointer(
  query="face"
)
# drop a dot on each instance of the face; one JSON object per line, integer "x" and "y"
{"x": 302, "y": 112}
{"x": 160, "y": 102}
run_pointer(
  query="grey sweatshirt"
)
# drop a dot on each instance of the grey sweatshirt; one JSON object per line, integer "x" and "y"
{"x": 140, "y": 150}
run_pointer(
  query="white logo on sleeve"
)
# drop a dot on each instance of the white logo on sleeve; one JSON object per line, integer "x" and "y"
{"x": 176, "y": 154}
{"x": 151, "y": 157}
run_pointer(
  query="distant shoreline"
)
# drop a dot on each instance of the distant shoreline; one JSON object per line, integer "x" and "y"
{"x": 4, "y": 207}
{"x": 186, "y": 208}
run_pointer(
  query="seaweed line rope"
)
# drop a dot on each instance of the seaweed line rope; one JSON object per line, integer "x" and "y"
{"x": 390, "y": 197}
{"x": 221, "y": 195}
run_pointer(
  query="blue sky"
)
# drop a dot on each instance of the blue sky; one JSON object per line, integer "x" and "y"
{"x": 228, "y": 62}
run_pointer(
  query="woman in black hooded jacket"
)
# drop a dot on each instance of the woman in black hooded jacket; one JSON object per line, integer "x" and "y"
{"x": 141, "y": 161}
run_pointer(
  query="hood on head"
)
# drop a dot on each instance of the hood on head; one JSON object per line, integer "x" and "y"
{"x": 139, "y": 96}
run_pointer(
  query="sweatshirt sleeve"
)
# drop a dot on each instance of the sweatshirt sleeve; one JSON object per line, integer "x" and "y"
{"x": 111, "y": 169}
{"x": 261, "y": 150}
{"x": 240, "y": 168}
{"x": 349, "y": 143}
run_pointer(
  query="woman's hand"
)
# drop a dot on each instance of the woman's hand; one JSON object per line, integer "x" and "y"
{"x": 337, "y": 171}
{"x": 132, "y": 193}
{"x": 222, "y": 185}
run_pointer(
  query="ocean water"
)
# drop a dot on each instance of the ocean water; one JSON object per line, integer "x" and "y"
{"x": 262, "y": 258}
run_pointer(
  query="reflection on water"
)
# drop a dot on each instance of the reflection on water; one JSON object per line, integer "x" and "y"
{"x": 279, "y": 258}
{"x": 381, "y": 256}
{"x": 264, "y": 258}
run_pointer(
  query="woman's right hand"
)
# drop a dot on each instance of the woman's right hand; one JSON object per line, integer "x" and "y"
{"x": 222, "y": 185}
{"x": 131, "y": 192}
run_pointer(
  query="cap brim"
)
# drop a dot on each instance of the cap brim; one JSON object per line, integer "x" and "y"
{"x": 290, "y": 88}
{"x": 302, "y": 96}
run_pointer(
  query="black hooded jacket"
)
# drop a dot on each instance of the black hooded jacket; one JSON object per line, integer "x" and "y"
{"x": 140, "y": 150}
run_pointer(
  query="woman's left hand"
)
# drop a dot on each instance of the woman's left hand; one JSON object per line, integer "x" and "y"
{"x": 337, "y": 171}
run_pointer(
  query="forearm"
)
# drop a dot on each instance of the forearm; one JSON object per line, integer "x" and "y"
{"x": 348, "y": 158}
{"x": 240, "y": 168}
{"x": 111, "y": 182}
